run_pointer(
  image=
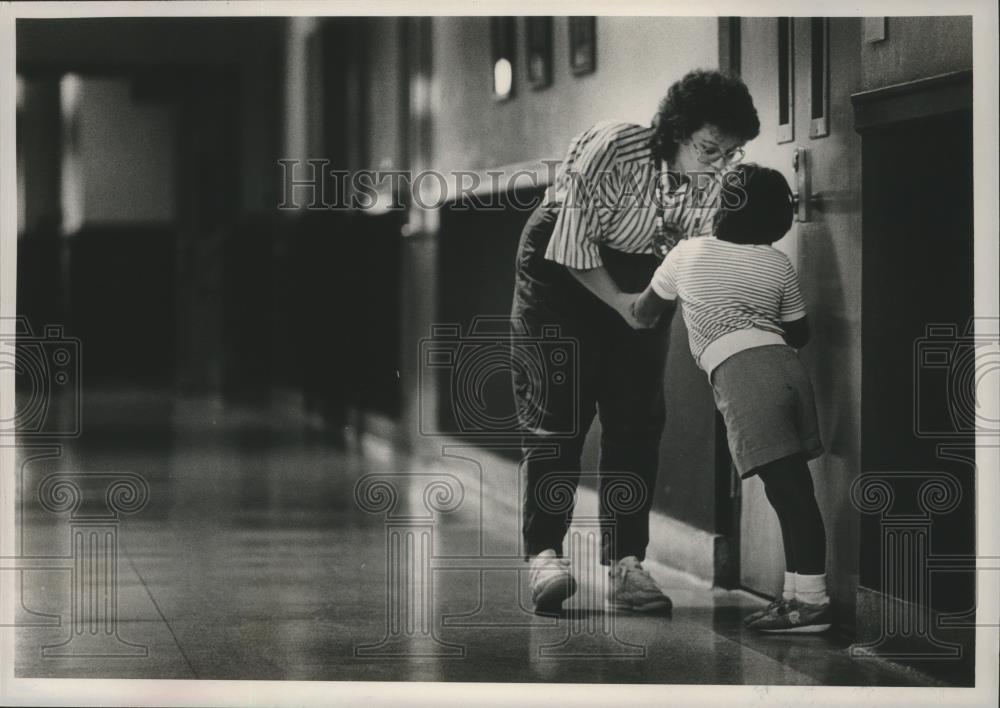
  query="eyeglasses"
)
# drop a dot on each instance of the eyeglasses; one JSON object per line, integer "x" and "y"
{"x": 711, "y": 154}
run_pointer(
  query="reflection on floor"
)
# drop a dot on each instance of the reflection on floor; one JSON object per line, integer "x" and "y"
{"x": 259, "y": 556}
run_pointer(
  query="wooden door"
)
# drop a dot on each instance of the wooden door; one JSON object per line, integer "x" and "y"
{"x": 801, "y": 73}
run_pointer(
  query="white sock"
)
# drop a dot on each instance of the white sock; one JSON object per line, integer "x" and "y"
{"x": 811, "y": 589}
{"x": 789, "y": 592}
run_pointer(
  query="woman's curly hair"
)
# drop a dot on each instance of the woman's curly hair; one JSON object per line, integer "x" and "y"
{"x": 703, "y": 96}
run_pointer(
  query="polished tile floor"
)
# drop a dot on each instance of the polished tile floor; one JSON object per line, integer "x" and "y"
{"x": 264, "y": 551}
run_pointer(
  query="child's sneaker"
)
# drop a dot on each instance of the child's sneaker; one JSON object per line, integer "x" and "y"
{"x": 776, "y": 606}
{"x": 632, "y": 588}
{"x": 551, "y": 582}
{"x": 796, "y": 617}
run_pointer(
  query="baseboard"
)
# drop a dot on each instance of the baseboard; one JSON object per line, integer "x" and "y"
{"x": 682, "y": 546}
{"x": 291, "y": 403}
{"x": 377, "y": 434}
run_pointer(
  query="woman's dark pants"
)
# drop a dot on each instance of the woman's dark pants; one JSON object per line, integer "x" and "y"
{"x": 619, "y": 375}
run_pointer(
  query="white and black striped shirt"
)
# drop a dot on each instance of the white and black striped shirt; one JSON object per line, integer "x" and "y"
{"x": 734, "y": 296}
{"x": 606, "y": 191}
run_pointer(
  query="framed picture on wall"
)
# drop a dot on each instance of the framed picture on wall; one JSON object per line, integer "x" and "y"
{"x": 503, "y": 40}
{"x": 539, "y": 49}
{"x": 582, "y": 45}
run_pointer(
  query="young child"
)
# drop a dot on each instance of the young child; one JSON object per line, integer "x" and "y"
{"x": 744, "y": 313}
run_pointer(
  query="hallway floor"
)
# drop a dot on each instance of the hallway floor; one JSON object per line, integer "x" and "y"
{"x": 253, "y": 559}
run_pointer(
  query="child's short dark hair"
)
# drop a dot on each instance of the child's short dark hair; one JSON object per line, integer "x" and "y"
{"x": 756, "y": 208}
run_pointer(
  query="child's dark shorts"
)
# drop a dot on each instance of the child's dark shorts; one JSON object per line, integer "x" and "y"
{"x": 767, "y": 402}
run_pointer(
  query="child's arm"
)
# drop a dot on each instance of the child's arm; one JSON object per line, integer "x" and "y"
{"x": 598, "y": 281}
{"x": 661, "y": 294}
{"x": 792, "y": 315}
{"x": 648, "y": 306}
{"x": 796, "y": 332}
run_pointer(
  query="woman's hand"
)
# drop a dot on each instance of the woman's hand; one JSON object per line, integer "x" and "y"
{"x": 598, "y": 281}
{"x": 647, "y": 307}
{"x": 641, "y": 314}
{"x": 625, "y": 306}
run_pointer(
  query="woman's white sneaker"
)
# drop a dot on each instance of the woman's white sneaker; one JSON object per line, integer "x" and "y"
{"x": 551, "y": 582}
{"x": 632, "y": 588}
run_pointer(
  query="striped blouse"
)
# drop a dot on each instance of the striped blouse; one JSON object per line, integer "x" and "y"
{"x": 606, "y": 192}
{"x": 735, "y": 296}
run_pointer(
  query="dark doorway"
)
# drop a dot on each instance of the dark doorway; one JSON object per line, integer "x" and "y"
{"x": 917, "y": 343}
{"x": 476, "y": 262}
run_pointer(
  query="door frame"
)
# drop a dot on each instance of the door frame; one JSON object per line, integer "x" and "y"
{"x": 728, "y": 485}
